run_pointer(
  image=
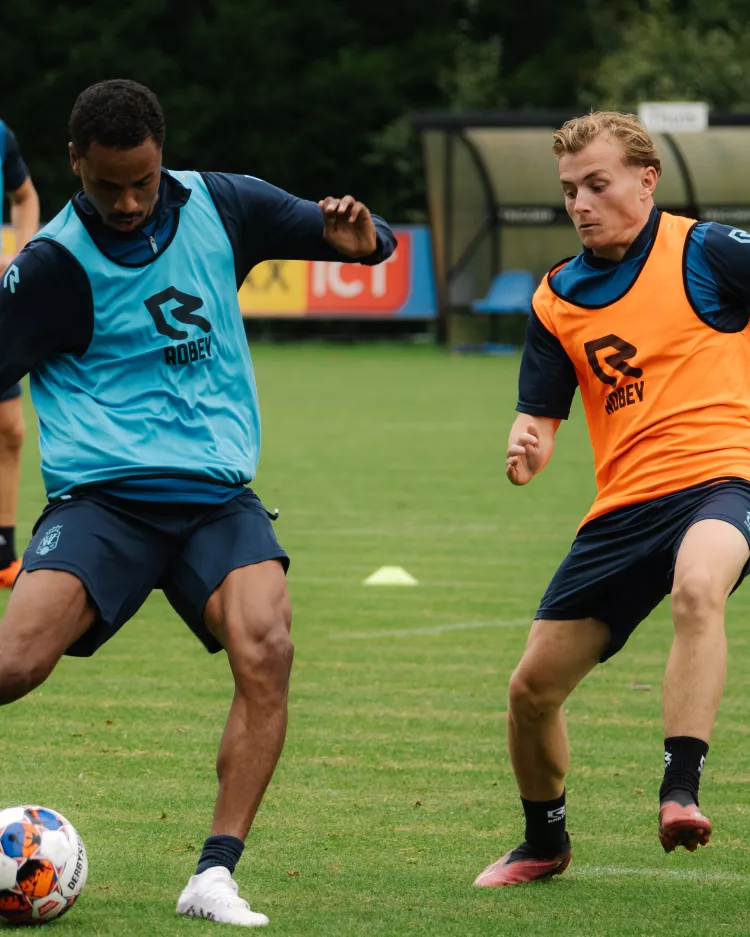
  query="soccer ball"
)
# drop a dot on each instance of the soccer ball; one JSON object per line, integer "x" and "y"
{"x": 43, "y": 865}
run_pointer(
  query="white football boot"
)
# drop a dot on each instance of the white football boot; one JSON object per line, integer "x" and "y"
{"x": 213, "y": 895}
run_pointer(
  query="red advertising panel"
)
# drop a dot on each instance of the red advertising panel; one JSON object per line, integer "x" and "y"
{"x": 354, "y": 288}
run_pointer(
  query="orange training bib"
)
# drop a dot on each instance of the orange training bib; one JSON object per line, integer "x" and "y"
{"x": 667, "y": 398}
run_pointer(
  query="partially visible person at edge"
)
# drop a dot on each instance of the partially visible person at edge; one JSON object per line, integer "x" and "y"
{"x": 650, "y": 322}
{"x": 16, "y": 184}
{"x": 125, "y": 313}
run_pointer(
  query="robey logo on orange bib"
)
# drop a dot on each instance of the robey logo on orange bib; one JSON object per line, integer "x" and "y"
{"x": 623, "y": 396}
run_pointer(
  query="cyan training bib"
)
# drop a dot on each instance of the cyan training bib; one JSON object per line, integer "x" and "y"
{"x": 166, "y": 387}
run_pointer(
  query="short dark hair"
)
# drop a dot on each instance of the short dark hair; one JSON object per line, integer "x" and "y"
{"x": 116, "y": 113}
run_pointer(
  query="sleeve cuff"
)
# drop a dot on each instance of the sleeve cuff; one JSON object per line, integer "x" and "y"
{"x": 535, "y": 409}
{"x": 377, "y": 256}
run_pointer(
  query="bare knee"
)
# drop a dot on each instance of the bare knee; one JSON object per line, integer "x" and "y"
{"x": 531, "y": 697}
{"x": 697, "y": 600}
{"x": 12, "y": 434}
{"x": 261, "y": 650}
{"x": 20, "y": 674}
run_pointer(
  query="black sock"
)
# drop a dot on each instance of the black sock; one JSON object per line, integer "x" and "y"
{"x": 220, "y": 850}
{"x": 545, "y": 825}
{"x": 7, "y": 546}
{"x": 684, "y": 758}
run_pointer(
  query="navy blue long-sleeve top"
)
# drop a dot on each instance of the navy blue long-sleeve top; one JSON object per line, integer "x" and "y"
{"x": 54, "y": 312}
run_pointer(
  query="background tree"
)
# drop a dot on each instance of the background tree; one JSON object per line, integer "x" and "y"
{"x": 291, "y": 91}
{"x": 315, "y": 95}
{"x": 690, "y": 50}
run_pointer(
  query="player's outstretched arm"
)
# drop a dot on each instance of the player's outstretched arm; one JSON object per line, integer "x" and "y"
{"x": 530, "y": 446}
{"x": 266, "y": 223}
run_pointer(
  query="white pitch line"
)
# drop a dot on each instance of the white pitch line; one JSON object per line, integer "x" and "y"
{"x": 433, "y": 629}
{"x": 324, "y": 581}
{"x": 693, "y": 875}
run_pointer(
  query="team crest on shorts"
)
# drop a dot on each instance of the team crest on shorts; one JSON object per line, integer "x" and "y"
{"x": 49, "y": 540}
{"x": 747, "y": 520}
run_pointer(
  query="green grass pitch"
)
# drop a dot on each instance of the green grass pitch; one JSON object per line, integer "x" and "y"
{"x": 394, "y": 789}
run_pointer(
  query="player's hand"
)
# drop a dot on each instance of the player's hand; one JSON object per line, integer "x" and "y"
{"x": 348, "y": 226}
{"x": 524, "y": 457}
{"x": 5, "y": 261}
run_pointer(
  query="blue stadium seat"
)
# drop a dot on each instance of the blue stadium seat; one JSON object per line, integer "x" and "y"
{"x": 509, "y": 292}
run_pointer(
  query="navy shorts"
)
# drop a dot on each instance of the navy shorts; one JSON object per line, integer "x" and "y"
{"x": 621, "y": 565}
{"x": 11, "y": 393}
{"x": 121, "y": 550}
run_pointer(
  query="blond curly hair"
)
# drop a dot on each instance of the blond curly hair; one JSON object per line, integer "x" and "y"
{"x": 627, "y": 129}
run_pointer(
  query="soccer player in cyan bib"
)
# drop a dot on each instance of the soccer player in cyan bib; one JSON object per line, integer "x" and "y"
{"x": 650, "y": 322}
{"x": 16, "y": 184}
{"x": 124, "y": 311}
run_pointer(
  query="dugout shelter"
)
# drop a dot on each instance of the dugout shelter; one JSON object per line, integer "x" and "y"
{"x": 496, "y": 209}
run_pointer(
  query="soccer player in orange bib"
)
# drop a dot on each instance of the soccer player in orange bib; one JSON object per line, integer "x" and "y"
{"x": 650, "y": 322}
